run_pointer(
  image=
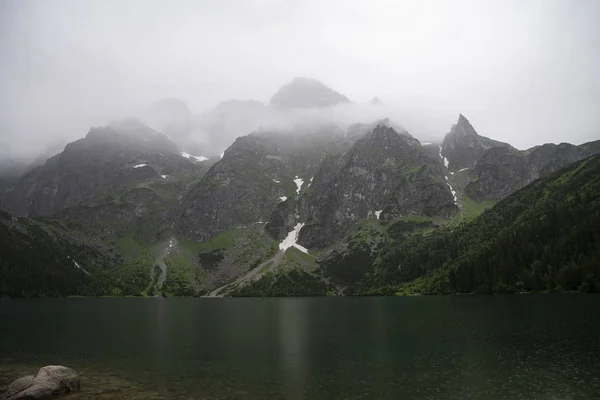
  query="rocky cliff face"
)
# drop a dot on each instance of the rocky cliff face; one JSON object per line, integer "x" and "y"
{"x": 306, "y": 93}
{"x": 368, "y": 179}
{"x": 140, "y": 211}
{"x": 107, "y": 162}
{"x": 463, "y": 146}
{"x": 257, "y": 172}
{"x": 502, "y": 171}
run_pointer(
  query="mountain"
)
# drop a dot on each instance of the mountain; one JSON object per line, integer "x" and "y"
{"x": 306, "y": 93}
{"x": 105, "y": 164}
{"x": 257, "y": 172}
{"x": 504, "y": 170}
{"x": 385, "y": 174}
{"x": 463, "y": 146}
{"x": 305, "y": 209}
{"x": 42, "y": 258}
{"x": 543, "y": 237}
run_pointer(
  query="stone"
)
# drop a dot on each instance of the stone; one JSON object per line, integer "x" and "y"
{"x": 50, "y": 381}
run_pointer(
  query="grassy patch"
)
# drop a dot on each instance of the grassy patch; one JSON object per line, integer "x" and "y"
{"x": 166, "y": 191}
{"x": 472, "y": 209}
{"x": 129, "y": 247}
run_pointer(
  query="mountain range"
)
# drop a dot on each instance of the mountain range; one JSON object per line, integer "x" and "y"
{"x": 312, "y": 209}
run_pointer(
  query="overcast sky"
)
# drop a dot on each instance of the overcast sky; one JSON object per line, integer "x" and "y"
{"x": 521, "y": 71}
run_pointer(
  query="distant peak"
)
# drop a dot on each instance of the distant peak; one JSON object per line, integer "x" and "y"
{"x": 462, "y": 120}
{"x": 375, "y": 101}
{"x": 306, "y": 93}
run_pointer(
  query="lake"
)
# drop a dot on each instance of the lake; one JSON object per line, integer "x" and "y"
{"x": 452, "y": 347}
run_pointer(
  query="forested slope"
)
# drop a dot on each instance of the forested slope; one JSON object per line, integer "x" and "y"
{"x": 545, "y": 237}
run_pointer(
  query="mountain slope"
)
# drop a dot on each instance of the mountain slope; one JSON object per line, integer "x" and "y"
{"x": 257, "y": 172}
{"x": 504, "y": 170}
{"x": 106, "y": 163}
{"x": 384, "y": 174}
{"x": 42, "y": 258}
{"x": 543, "y": 237}
{"x": 463, "y": 146}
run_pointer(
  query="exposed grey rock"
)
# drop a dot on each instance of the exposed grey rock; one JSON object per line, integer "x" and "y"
{"x": 365, "y": 180}
{"x": 50, "y": 381}
{"x": 282, "y": 220}
{"x": 502, "y": 171}
{"x": 140, "y": 210}
{"x": 463, "y": 146}
{"x": 306, "y": 93}
{"x": 102, "y": 163}
{"x": 423, "y": 193}
{"x": 246, "y": 185}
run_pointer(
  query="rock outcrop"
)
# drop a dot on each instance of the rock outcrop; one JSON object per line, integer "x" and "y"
{"x": 257, "y": 172}
{"x": 50, "y": 381}
{"x": 504, "y": 170}
{"x": 370, "y": 178}
{"x": 108, "y": 161}
{"x": 463, "y": 146}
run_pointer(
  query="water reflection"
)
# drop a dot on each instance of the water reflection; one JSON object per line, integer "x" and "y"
{"x": 293, "y": 347}
{"x": 494, "y": 347}
{"x": 161, "y": 341}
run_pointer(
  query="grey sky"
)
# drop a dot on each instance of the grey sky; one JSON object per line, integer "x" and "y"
{"x": 521, "y": 71}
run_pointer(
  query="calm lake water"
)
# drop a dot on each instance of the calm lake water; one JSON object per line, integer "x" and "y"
{"x": 454, "y": 347}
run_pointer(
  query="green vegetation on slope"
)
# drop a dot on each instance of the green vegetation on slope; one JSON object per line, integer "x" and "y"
{"x": 544, "y": 237}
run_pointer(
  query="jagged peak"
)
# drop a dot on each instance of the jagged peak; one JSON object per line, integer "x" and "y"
{"x": 463, "y": 127}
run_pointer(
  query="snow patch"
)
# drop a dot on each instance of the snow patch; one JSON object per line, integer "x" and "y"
{"x": 446, "y": 163}
{"x": 464, "y": 169}
{"x": 139, "y": 165}
{"x": 283, "y": 198}
{"x": 164, "y": 176}
{"x": 222, "y": 154}
{"x": 80, "y": 267}
{"x": 378, "y": 213}
{"x": 193, "y": 158}
{"x": 425, "y": 144}
{"x": 291, "y": 239}
{"x": 452, "y": 190}
{"x": 299, "y": 182}
{"x": 276, "y": 181}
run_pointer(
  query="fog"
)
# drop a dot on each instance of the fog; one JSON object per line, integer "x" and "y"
{"x": 521, "y": 72}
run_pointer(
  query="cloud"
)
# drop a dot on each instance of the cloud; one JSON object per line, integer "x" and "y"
{"x": 522, "y": 72}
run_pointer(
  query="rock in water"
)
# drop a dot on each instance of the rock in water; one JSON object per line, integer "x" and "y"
{"x": 50, "y": 381}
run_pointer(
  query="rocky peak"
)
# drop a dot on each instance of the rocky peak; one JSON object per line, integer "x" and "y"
{"x": 306, "y": 93}
{"x": 109, "y": 160}
{"x": 257, "y": 173}
{"x": 362, "y": 182}
{"x": 463, "y": 146}
{"x": 358, "y": 130}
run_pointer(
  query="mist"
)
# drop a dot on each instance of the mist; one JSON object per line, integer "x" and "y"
{"x": 522, "y": 72}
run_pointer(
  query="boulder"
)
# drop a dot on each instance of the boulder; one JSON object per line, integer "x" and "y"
{"x": 50, "y": 381}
